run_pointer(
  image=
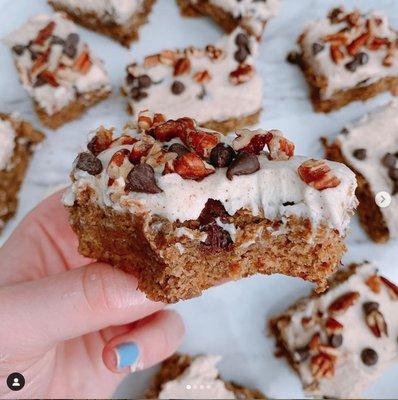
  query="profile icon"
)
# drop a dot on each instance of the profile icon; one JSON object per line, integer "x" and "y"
{"x": 15, "y": 381}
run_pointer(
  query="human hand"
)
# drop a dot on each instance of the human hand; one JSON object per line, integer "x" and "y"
{"x": 68, "y": 324}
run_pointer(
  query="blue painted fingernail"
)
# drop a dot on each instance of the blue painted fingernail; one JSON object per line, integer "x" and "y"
{"x": 127, "y": 354}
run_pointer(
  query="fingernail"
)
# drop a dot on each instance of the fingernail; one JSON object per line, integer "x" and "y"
{"x": 127, "y": 355}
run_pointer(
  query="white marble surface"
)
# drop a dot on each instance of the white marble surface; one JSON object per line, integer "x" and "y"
{"x": 230, "y": 319}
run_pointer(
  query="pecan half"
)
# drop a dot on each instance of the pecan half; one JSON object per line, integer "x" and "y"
{"x": 391, "y": 287}
{"x": 375, "y": 319}
{"x": 191, "y": 166}
{"x": 333, "y": 326}
{"x": 343, "y": 302}
{"x": 354, "y": 47}
{"x": 200, "y": 141}
{"x": 182, "y": 66}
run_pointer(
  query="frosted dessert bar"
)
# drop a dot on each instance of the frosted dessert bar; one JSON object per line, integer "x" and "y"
{"x": 185, "y": 377}
{"x": 182, "y": 207}
{"x": 18, "y": 140}
{"x": 370, "y": 148}
{"x": 217, "y": 85}
{"x": 341, "y": 341}
{"x": 250, "y": 15}
{"x": 349, "y": 56}
{"x": 57, "y": 68}
{"x": 119, "y": 19}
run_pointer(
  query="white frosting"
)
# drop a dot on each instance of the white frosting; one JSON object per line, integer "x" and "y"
{"x": 223, "y": 100}
{"x": 72, "y": 83}
{"x": 198, "y": 381}
{"x": 351, "y": 376}
{"x": 378, "y": 134}
{"x": 118, "y": 11}
{"x": 7, "y": 143}
{"x": 253, "y": 14}
{"x": 337, "y": 75}
{"x": 263, "y": 193}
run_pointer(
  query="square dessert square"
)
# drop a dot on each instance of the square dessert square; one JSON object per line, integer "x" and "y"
{"x": 57, "y": 68}
{"x": 183, "y": 208}
{"x": 184, "y": 377}
{"x": 340, "y": 342}
{"x": 370, "y": 148}
{"x": 17, "y": 142}
{"x": 349, "y": 56}
{"x": 250, "y": 15}
{"x": 217, "y": 85}
{"x": 119, "y": 19}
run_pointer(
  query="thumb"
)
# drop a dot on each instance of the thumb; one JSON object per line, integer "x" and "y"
{"x": 70, "y": 304}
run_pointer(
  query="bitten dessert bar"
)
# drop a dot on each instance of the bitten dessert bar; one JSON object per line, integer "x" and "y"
{"x": 250, "y": 15}
{"x": 185, "y": 377}
{"x": 119, "y": 19}
{"x": 342, "y": 341}
{"x": 370, "y": 148}
{"x": 17, "y": 142}
{"x": 217, "y": 85}
{"x": 57, "y": 68}
{"x": 182, "y": 207}
{"x": 349, "y": 56}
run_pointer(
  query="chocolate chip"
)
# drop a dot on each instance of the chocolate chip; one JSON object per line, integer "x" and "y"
{"x": 131, "y": 79}
{"x": 360, "y": 154}
{"x": 212, "y": 210}
{"x": 70, "y": 45}
{"x": 178, "y": 148}
{"x": 389, "y": 160}
{"x": 241, "y": 54}
{"x": 345, "y": 131}
{"x": 177, "y": 87}
{"x": 288, "y": 203}
{"x": 144, "y": 81}
{"x": 393, "y": 174}
{"x": 370, "y": 306}
{"x": 217, "y": 238}
{"x": 202, "y": 93}
{"x": 241, "y": 39}
{"x": 301, "y": 354}
{"x": 369, "y": 357}
{"x": 18, "y": 49}
{"x": 293, "y": 57}
{"x": 317, "y": 48}
{"x": 352, "y": 65}
{"x": 336, "y": 340}
{"x": 137, "y": 94}
{"x": 222, "y": 155}
{"x": 89, "y": 163}
{"x": 244, "y": 164}
{"x": 335, "y": 14}
{"x": 57, "y": 40}
{"x": 141, "y": 179}
{"x": 362, "y": 58}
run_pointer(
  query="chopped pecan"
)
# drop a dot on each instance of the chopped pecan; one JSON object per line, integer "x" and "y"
{"x": 388, "y": 60}
{"x": 333, "y": 326}
{"x": 336, "y": 38}
{"x": 83, "y": 62}
{"x": 168, "y": 57}
{"x": 343, "y": 302}
{"x": 317, "y": 174}
{"x": 139, "y": 150}
{"x": 44, "y": 33}
{"x": 101, "y": 140}
{"x": 123, "y": 140}
{"x": 315, "y": 342}
{"x": 40, "y": 64}
{"x": 242, "y": 74}
{"x": 306, "y": 322}
{"x": 171, "y": 129}
{"x": 336, "y": 53}
{"x": 147, "y": 120}
{"x": 182, "y": 66}
{"x": 353, "y": 18}
{"x": 374, "y": 283}
{"x": 202, "y": 77}
{"x": 191, "y": 166}
{"x": 378, "y": 42}
{"x": 391, "y": 287}
{"x": 151, "y": 61}
{"x": 201, "y": 142}
{"x": 375, "y": 319}
{"x": 214, "y": 53}
{"x": 119, "y": 164}
{"x": 279, "y": 147}
{"x": 354, "y": 47}
{"x": 49, "y": 77}
{"x": 251, "y": 141}
{"x": 322, "y": 365}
